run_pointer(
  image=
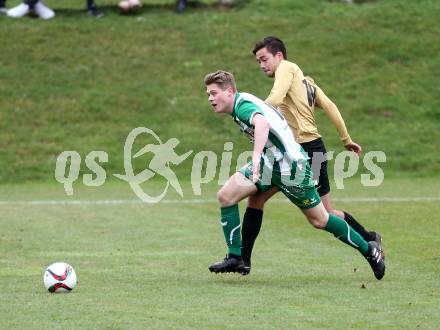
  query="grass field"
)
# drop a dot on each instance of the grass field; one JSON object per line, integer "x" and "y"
{"x": 145, "y": 266}
{"x": 77, "y": 83}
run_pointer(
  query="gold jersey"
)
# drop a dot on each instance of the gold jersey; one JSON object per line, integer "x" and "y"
{"x": 296, "y": 97}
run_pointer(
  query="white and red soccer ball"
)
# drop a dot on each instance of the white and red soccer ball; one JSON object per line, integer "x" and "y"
{"x": 59, "y": 277}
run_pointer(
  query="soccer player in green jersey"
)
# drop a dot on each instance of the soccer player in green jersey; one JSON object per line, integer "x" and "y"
{"x": 296, "y": 97}
{"x": 277, "y": 161}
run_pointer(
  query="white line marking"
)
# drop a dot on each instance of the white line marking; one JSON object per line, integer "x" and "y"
{"x": 207, "y": 201}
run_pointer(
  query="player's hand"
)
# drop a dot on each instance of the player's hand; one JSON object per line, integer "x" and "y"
{"x": 256, "y": 169}
{"x": 356, "y": 148}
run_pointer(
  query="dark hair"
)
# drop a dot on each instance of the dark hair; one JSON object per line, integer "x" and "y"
{"x": 273, "y": 45}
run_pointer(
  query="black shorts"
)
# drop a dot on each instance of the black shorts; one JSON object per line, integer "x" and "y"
{"x": 320, "y": 175}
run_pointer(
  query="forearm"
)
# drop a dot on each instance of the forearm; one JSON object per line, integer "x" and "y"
{"x": 336, "y": 118}
{"x": 332, "y": 111}
{"x": 261, "y": 134}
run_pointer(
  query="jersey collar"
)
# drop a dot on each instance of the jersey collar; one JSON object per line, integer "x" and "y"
{"x": 236, "y": 100}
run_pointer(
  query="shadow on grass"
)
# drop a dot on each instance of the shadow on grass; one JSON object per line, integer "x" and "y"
{"x": 151, "y": 8}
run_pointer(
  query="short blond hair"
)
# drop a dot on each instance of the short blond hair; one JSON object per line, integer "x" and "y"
{"x": 222, "y": 78}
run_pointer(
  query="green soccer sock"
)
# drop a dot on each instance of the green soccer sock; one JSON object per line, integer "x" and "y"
{"x": 346, "y": 234}
{"x": 230, "y": 221}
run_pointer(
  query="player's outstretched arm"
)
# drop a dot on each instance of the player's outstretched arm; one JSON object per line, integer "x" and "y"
{"x": 331, "y": 110}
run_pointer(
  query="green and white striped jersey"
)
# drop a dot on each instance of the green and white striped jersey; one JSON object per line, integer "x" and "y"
{"x": 281, "y": 142}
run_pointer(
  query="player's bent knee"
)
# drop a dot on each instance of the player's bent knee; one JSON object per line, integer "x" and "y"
{"x": 316, "y": 222}
{"x": 224, "y": 199}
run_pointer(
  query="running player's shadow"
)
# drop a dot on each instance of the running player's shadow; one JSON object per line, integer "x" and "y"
{"x": 151, "y": 8}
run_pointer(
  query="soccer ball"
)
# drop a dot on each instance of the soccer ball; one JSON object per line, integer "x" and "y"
{"x": 59, "y": 277}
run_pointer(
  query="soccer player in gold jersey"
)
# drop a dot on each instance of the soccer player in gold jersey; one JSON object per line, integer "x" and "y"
{"x": 296, "y": 96}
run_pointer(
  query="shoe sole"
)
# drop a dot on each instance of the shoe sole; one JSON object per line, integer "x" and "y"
{"x": 220, "y": 271}
{"x": 245, "y": 271}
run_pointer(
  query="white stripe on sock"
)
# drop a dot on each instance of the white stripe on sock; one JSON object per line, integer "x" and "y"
{"x": 232, "y": 233}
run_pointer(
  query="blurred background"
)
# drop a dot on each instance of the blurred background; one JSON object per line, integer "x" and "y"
{"x": 80, "y": 83}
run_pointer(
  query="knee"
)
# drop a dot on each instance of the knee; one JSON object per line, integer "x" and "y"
{"x": 224, "y": 199}
{"x": 317, "y": 222}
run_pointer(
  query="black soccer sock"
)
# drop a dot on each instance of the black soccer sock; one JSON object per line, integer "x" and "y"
{"x": 366, "y": 235}
{"x": 249, "y": 231}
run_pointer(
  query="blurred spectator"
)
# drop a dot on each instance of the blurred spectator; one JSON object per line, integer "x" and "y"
{"x": 92, "y": 10}
{"x": 226, "y": 2}
{"x": 3, "y": 9}
{"x": 181, "y": 4}
{"x": 39, "y": 8}
{"x": 127, "y": 6}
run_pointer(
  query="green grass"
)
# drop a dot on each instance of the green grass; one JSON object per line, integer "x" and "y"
{"x": 145, "y": 266}
{"x": 76, "y": 83}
